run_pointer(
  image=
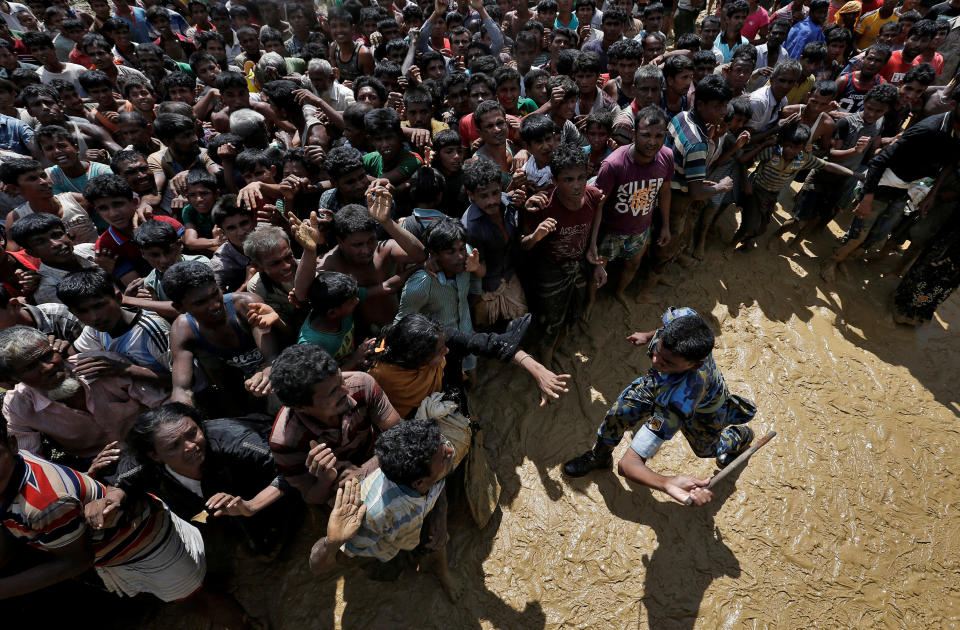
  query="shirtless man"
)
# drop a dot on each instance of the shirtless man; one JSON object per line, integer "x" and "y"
{"x": 231, "y": 336}
{"x": 44, "y": 104}
{"x": 358, "y": 254}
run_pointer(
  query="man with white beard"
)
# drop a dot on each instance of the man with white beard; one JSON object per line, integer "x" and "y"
{"x": 80, "y": 411}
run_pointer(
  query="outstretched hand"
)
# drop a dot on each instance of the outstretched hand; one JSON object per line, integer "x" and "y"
{"x": 347, "y": 515}
{"x": 640, "y": 338}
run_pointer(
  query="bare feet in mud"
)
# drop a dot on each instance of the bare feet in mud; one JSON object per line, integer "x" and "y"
{"x": 620, "y": 297}
{"x": 452, "y": 586}
{"x": 829, "y": 271}
{"x": 686, "y": 260}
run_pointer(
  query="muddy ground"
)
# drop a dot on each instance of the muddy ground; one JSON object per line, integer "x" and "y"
{"x": 844, "y": 520}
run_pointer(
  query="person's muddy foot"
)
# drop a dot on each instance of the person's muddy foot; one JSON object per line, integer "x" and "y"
{"x": 746, "y": 246}
{"x": 452, "y": 586}
{"x": 828, "y": 272}
{"x": 699, "y": 251}
{"x": 645, "y": 297}
{"x": 686, "y": 261}
{"x": 620, "y": 297}
{"x": 587, "y": 312}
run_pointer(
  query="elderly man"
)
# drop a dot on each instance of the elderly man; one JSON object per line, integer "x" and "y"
{"x": 82, "y": 405}
{"x": 324, "y": 82}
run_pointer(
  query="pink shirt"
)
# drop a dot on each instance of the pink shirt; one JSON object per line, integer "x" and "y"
{"x": 755, "y": 21}
{"x": 112, "y": 405}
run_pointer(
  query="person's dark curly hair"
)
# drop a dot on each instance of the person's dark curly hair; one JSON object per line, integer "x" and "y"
{"x": 410, "y": 342}
{"x": 688, "y": 336}
{"x": 297, "y": 370}
{"x": 405, "y": 450}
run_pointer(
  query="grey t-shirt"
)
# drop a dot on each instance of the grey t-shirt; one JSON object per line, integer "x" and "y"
{"x": 848, "y": 130}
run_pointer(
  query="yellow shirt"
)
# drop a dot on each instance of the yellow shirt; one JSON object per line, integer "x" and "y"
{"x": 868, "y": 27}
{"x": 799, "y": 94}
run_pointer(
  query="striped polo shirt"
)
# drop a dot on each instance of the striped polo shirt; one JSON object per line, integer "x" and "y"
{"x": 773, "y": 172}
{"x": 47, "y": 513}
{"x": 688, "y": 137}
{"x": 146, "y": 344}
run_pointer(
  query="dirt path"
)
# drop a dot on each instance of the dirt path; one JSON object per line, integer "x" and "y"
{"x": 842, "y": 521}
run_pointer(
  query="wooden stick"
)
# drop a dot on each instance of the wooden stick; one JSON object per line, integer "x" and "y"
{"x": 737, "y": 463}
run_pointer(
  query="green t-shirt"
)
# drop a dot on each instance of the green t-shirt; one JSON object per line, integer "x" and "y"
{"x": 408, "y": 163}
{"x": 338, "y": 345}
{"x": 527, "y": 106}
{"x": 202, "y": 223}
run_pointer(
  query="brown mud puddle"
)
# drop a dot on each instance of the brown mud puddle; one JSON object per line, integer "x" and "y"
{"x": 843, "y": 521}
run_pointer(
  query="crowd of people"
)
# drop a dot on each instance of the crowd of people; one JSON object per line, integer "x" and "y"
{"x": 253, "y": 253}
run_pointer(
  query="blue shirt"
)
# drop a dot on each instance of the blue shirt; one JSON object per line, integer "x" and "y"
{"x": 802, "y": 34}
{"x": 727, "y": 51}
{"x": 139, "y": 27}
{"x": 15, "y": 135}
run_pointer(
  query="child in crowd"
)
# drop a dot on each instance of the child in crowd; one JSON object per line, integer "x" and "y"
{"x": 111, "y": 197}
{"x": 99, "y": 88}
{"x": 733, "y": 138}
{"x": 44, "y": 236}
{"x": 230, "y": 265}
{"x": 559, "y": 228}
{"x": 26, "y": 178}
{"x": 540, "y": 135}
{"x": 161, "y": 246}
{"x": 140, "y": 337}
{"x": 447, "y": 154}
{"x": 776, "y": 167}
{"x": 69, "y": 172}
{"x": 598, "y": 129}
{"x": 345, "y": 167}
{"x": 201, "y": 193}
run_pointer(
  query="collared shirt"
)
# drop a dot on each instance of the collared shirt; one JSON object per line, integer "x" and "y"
{"x": 15, "y": 135}
{"x": 766, "y": 109}
{"x": 351, "y": 441}
{"x": 801, "y": 34}
{"x": 726, "y": 49}
{"x": 442, "y": 298}
{"x": 139, "y": 26}
{"x": 869, "y": 25}
{"x": 394, "y": 518}
{"x": 691, "y": 145}
{"x": 920, "y": 152}
{"x": 127, "y": 251}
{"x": 112, "y": 404}
{"x": 48, "y": 513}
{"x": 496, "y": 251}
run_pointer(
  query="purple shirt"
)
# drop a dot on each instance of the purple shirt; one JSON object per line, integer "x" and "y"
{"x": 632, "y": 190}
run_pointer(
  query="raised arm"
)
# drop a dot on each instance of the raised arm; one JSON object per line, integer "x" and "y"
{"x": 379, "y": 201}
